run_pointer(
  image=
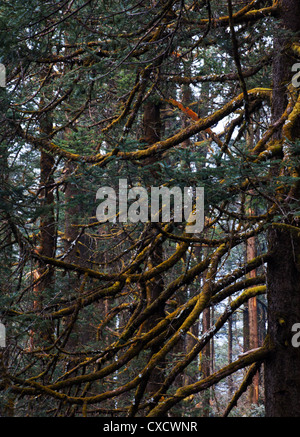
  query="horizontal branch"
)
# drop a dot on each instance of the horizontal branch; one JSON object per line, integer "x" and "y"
{"x": 251, "y": 71}
{"x": 157, "y": 148}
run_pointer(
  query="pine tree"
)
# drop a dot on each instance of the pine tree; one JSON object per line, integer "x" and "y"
{"x": 113, "y": 318}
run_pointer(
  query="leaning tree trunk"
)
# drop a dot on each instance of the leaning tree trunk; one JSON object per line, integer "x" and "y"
{"x": 282, "y": 370}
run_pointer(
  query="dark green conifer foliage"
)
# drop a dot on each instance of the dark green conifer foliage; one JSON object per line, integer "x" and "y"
{"x": 92, "y": 71}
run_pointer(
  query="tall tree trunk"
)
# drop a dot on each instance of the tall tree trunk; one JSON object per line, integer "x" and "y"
{"x": 282, "y": 370}
{"x": 205, "y": 356}
{"x": 44, "y": 275}
{"x": 246, "y": 339}
{"x": 206, "y": 361}
{"x": 152, "y": 134}
{"x": 230, "y": 378}
{"x": 252, "y": 303}
{"x": 253, "y": 322}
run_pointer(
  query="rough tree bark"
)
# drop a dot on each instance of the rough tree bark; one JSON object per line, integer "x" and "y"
{"x": 282, "y": 370}
{"x": 151, "y": 134}
{"x": 253, "y": 322}
{"x": 44, "y": 275}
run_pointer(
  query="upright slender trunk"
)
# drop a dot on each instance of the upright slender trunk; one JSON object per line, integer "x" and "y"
{"x": 205, "y": 356}
{"x": 282, "y": 370}
{"x": 206, "y": 362}
{"x": 230, "y": 377}
{"x": 246, "y": 340}
{"x": 253, "y": 323}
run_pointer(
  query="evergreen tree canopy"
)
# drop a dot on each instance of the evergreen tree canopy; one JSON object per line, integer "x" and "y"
{"x": 120, "y": 317}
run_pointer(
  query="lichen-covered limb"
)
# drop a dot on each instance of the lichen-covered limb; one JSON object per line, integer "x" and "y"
{"x": 198, "y": 126}
{"x": 125, "y": 109}
{"x": 188, "y": 322}
{"x": 160, "y": 146}
{"x": 243, "y": 387}
{"x": 51, "y": 390}
{"x": 201, "y": 303}
{"x": 183, "y": 392}
{"x": 227, "y": 284}
{"x": 205, "y": 338}
{"x": 33, "y": 388}
{"x": 169, "y": 345}
{"x": 133, "y": 351}
{"x": 111, "y": 315}
{"x": 147, "y": 275}
{"x": 287, "y": 130}
{"x": 161, "y": 331}
{"x": 216, "y": 242}
{"x": 237, "y": 286}
{"x": 289, "y": 134}
{"x": 111, "y": 290}
{"x": 296, "y": 48}
{"x": 261, "y": 144}
{"x": 184, "y": 279}
{"x": 285, "y": 226}
{"x": 251, "y": 71}
{"x": 266, "y": 142}
{"x": 274, "y": 148}
{"x": 74, "y": 56}
{"x": 245, "y": 15}
{"x": 240, "y": 271}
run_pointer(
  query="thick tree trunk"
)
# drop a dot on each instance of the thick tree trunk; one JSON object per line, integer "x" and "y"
{"x": 47, "y": 222}
{"x": 282, "y": 370}
{"x": 154, "y": 287}
{"x": 44, "y": 275}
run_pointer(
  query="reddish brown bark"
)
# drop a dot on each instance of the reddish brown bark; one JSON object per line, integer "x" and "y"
{"x": 43, "y": 276}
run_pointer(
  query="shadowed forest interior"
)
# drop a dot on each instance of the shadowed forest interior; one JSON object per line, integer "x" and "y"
{"x": 141, "y": 317}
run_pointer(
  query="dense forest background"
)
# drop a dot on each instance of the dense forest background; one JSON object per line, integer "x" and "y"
{"x": 123, "y": 318}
